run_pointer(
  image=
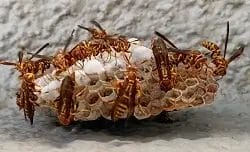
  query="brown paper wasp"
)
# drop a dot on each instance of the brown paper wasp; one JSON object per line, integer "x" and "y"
{"x": 189, "y": 57}
{"x": 29, "y": 70}
{"x": 128, "y": 91}
{"x": 30, "y": 66}
{"x": 165, "y": 70}
{"x": 100, "y": 41}
{"x": 66, "y": 102}
{"x": 26, "y": 97}
{"x": 96, "y": 33}
{"x": 218, "y": 60}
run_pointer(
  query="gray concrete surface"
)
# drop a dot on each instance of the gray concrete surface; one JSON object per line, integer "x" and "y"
{"x": 223, "y": 126}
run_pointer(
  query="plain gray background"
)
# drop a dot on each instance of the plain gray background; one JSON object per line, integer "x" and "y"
{"x": 223, "y": 126}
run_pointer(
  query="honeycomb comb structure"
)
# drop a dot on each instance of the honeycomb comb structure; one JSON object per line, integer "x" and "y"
{"x": 96, "y": 95}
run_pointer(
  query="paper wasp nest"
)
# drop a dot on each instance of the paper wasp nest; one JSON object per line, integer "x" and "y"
{"x": 95, "y": 92}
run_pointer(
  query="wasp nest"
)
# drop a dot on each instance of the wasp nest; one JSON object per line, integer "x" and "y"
{"x": 95, "y": 93}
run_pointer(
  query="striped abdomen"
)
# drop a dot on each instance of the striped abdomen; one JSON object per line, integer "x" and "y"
{"x": 211, "y": 46}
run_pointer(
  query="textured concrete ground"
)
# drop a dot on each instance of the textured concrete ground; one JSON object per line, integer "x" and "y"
{"x": 223, "y": 126}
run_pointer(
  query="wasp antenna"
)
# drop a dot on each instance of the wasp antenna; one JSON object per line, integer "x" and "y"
{"x": 227, "y": 36}
{"x": 41, "y": 56}
{"x": 20, "y": 56}
{"x": 166, "y": 39}
{"x": 85, "y": 28}
{"x": 39, "y": 50}
{"x": 7, "y": 63}
{"x": 97, "y": 25}
{"x": 69, "y": 40}
{"x": 126, "y": 59}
